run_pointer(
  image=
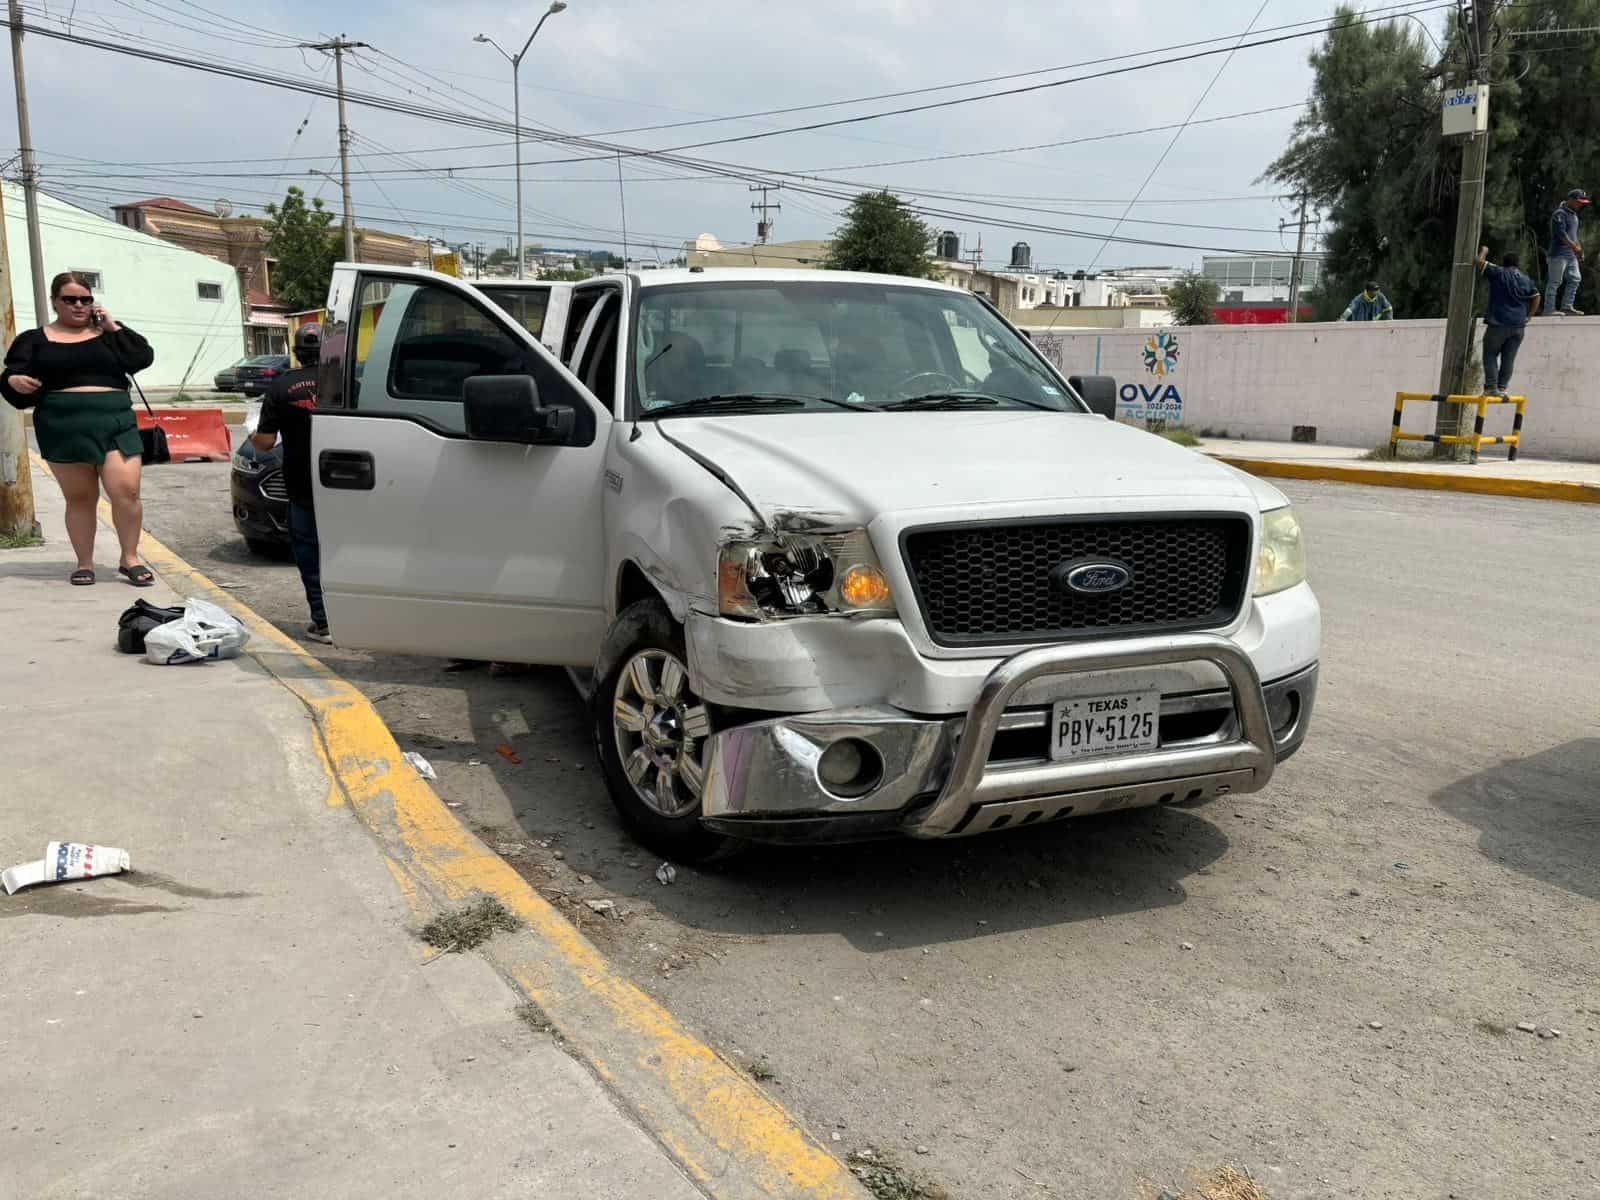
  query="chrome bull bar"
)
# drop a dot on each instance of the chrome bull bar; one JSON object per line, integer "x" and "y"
{"x": 1248, "y": 760}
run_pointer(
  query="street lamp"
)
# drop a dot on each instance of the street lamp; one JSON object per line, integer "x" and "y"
{"x": 516, "y": 108}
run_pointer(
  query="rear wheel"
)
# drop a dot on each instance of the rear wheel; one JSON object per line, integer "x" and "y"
{"x": 652, "y": 733}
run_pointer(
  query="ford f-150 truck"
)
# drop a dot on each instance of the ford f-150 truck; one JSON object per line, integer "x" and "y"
{"x": 833, "y": 556}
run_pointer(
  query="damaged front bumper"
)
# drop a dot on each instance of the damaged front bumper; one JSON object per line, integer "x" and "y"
{"x": 935, "y": 777}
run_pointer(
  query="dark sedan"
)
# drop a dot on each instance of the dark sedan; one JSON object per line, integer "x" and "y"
{"x": 255, "y": 375}
{"x": 227, "y": 379}
{"x": 260, "y": 502}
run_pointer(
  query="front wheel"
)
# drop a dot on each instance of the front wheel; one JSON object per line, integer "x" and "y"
{"x": 652, "y": 734}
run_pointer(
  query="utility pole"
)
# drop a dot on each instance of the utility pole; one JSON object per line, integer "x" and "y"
{"x": 762, "y": 206}
{"x": 16, "y": 476}
{"x": 30, "y": 175}
{"x": 1299, "y": 255}
{"x": 1477, "y": 22}
{"x": 338, "y": 46}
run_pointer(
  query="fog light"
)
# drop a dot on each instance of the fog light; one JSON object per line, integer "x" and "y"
{"x": 850, "y": 768}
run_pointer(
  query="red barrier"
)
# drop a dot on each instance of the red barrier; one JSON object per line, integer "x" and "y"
{"x": 193, "y": 434}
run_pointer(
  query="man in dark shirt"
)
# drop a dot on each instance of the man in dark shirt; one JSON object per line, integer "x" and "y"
{"x": 1566, "y": 252}
{"x": 287, "y": 410}
{"x": 1513, "y": 298}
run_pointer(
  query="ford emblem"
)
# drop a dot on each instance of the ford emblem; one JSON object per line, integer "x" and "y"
{"x": 1097, "y": 578}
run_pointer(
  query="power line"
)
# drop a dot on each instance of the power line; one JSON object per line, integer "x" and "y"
{"x": 1156, "y": 166}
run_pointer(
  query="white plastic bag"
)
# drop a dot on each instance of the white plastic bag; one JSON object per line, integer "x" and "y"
{"x": 203, "y": 632}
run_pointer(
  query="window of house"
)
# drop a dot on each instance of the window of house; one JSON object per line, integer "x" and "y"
{"x": 91, "y": 279}
{"x": 208, "y": 291}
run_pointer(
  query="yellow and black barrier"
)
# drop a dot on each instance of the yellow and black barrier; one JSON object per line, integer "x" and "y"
{"x": 1476, "y": 439}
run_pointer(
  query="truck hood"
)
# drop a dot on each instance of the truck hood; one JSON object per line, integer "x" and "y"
{"x": 856, "y": 467}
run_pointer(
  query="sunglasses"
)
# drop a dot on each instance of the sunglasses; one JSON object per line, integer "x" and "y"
{"x": 75, "y": 299}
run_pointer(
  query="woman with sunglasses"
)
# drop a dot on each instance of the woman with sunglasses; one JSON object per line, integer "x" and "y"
{"x": 76, "y": 370}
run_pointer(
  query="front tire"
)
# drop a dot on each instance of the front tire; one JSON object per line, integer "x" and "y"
{"x": 652, "y": 735}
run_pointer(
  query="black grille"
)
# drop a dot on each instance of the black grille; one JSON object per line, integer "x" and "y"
{"x": 274, "y": 487}
{"x": 992, "y": 583}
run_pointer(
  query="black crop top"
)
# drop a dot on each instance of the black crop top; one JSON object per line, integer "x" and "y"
{"x": 105, "y": 361}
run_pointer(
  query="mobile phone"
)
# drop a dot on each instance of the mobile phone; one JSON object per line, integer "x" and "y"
{"x": 94, "y": 317}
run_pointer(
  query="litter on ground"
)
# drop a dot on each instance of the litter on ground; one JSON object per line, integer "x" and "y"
{"x": 422, "y": 765}
{"x": 63, "y": 861}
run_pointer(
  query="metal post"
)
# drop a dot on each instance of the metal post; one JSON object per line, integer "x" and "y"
{"x": 1451, "y": 419}
{"x": 338, "y": 46}
{"x": 30, "y": 174}
{"x": 16, "y": 476}
{"x": 1294, "y": 271}
{"x": 344, "y": 153}
{"x": 516, "y": 111}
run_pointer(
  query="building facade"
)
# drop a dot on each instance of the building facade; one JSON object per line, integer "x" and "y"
{"x": 187, "y": 304}
{"x": 241, "y": 242}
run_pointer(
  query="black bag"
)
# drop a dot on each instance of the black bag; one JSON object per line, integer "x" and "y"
{"x": 136, "y": 622}
{"x": 155, "y": 443}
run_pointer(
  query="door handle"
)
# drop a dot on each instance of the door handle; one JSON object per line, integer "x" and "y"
{"x": 347, "y": 470}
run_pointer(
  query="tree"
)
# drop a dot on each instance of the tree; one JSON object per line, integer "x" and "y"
{"x": 301, "y": 239}
{"x": 1371, "y": 154}
{"x": 881, "y": 234}
{"x": 500, "y": 257}
{"x": 1193, "y": 298}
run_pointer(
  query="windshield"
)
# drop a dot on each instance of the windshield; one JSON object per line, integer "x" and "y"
{"x": 525, "y": 305}
{"x": 831, "y": 345}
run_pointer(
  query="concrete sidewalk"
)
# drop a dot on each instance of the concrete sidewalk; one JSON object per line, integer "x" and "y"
{"x": 248, "y": 1012}
{"x": 1528, "y": 478}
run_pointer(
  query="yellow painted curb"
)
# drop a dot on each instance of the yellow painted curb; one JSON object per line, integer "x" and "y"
{"x": 725, "y": 1133}
{"x": 1431, "y": 481}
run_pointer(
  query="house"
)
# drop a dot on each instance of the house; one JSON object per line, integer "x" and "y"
{"x": 241, "y": 243}
{"x": 706, "y": 251}
{"x": 186, "y": 303}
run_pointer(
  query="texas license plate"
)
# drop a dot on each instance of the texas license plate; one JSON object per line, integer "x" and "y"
{"x": 1101, "y": 725}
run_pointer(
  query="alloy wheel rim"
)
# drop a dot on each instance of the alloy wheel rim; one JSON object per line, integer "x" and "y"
{"x": 661, "y": 729}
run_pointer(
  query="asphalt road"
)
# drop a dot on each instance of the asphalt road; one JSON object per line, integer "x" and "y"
{"x": 1320, "y": 983}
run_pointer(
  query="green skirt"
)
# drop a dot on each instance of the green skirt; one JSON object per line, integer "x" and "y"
{"x": 81, "y": 427}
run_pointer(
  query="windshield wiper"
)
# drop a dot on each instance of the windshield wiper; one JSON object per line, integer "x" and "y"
{"x": 742, "y": 402}
{"x": 937, "y": 400}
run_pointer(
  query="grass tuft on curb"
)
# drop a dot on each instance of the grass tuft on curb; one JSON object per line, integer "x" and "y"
{"x": 469, "y": 927}
{"x": 886, "y": 1181}
{"x": 19, "y": 541}
{"x": 1181, "y": 436}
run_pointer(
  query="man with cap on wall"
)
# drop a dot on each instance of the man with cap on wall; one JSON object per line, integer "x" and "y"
{"x": 1566, "y": 252}
{"x": 1369, "y": 305}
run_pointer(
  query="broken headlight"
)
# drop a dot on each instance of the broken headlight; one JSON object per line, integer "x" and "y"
{"x": 792, "y": 575}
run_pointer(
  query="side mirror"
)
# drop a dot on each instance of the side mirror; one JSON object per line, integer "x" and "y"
{"x": 1099, "y": 392}
{"x": 506, "y": 408}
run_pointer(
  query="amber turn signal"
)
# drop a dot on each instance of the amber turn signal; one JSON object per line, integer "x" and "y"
{"x": 864, "y": 587}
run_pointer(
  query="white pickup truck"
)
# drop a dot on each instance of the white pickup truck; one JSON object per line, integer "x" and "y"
{"x": 833, "y": 556}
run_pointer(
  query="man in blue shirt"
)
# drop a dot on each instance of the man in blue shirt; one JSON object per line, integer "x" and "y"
{"x": 1566, "y": 252}
{"x": 1513, "y": 298}
{"x": 1370, "y": 305}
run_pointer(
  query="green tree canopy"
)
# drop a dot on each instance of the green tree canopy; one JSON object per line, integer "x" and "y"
{"x": 881, "y": 234}
{"x": 301, "y": 239}
{"x": 1371, "y": 155}
{"x": 500, "y": 256}
{"x": 1193, "y": 298}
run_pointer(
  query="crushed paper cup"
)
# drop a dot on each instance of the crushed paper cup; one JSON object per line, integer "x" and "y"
{"x": 63, "y": 861}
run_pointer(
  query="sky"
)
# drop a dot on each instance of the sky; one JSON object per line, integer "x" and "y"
{"x": 111, "y": 128}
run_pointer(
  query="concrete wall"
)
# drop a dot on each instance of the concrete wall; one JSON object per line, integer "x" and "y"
{"x": 1259, "y": 381}
{"x": 147, "y": 283}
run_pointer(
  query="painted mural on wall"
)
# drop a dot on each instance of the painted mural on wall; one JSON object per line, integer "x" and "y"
{"x": 1157, "y": 397}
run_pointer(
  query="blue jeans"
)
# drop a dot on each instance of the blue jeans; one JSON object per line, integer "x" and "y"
{"x": 1500, "y": 346}
{"x": 1562, "y": 271}
{"x": 308, "y": 557}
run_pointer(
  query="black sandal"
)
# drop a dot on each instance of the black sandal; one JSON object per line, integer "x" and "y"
{"x": 139, "y": 575}
{"x": 82, "y": 577}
